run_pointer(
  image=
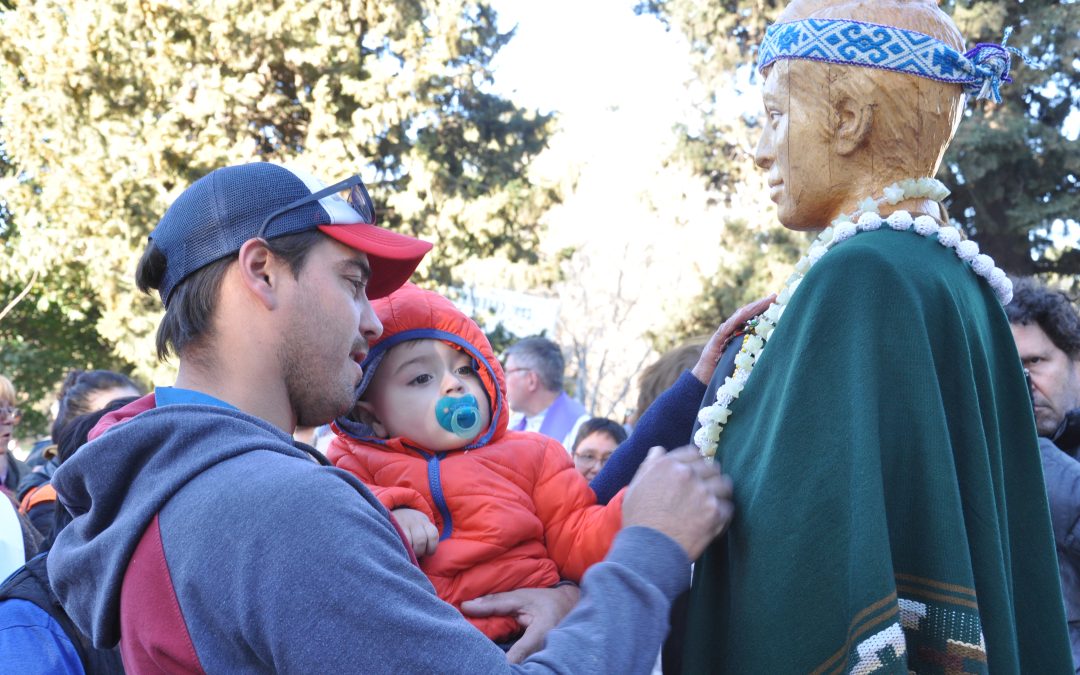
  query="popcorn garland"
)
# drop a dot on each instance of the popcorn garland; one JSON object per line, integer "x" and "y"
{"x": 714, "y": 417}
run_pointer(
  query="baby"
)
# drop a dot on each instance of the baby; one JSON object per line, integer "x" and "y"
{"x": 486, "y": 509}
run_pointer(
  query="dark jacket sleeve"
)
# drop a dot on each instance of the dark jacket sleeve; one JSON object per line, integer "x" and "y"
{"x": 42, "y": 517}
{"x": 1062, "y": 474}
{"x": 667, "y": 422}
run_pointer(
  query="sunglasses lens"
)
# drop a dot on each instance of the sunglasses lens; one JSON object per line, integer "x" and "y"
{"x": 360, "y": 200}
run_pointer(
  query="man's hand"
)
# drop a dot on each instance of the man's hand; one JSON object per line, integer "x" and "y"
{"x": 538, "y": 609}
{"x": 420, "y": 532}
{"x": 714, "y": 349}
{"x": 682, "y": 495}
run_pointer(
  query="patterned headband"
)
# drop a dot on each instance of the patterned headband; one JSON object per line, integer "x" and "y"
{"x": 980, "y": 71}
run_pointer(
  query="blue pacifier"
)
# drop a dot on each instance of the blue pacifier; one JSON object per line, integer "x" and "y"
{"x": 459, "y": 415}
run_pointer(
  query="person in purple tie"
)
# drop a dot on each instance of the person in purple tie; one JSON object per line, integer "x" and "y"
{"x": 534, "y": 389}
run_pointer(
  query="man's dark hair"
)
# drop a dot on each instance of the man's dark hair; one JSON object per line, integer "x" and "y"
{"x": 1051, "y": 309}
{"x": 75, "y": 393}
{"x": 602, "y": 424}
{"x": 73, "y": 436}
{"x": 542, "y": 356}
{"x": 191, "y": 307}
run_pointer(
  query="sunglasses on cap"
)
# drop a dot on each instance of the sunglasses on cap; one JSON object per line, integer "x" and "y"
{"x": 358, "y": 199}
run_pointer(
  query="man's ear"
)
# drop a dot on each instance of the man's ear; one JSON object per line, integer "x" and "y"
{"x": 365, "y": 412}
{"x": 854, "y": 120}
{"x": 259, "y": 271}
{"x": 532, "y": 379}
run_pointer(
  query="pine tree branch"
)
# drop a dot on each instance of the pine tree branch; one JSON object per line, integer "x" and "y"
{"x": 18, "y": 298}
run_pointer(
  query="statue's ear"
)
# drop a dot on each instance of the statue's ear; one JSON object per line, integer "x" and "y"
{"x": 854, "y": 119}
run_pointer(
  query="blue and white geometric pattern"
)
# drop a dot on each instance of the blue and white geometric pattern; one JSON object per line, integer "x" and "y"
{"x": 843, "y": 41}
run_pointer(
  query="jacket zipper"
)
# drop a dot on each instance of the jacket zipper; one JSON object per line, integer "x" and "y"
{"x": 435, "y": 484}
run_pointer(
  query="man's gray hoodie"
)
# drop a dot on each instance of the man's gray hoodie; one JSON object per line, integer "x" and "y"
{"x": 203, "y": 540}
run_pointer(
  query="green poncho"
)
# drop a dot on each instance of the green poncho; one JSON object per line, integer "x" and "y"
{"x": 890, "y": 507}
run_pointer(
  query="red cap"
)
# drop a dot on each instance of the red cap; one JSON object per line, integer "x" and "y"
{"x": 393, "y": 257}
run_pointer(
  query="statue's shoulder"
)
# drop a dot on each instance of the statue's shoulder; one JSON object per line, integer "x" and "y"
{"x": 890, "y": 267}
{"x": 886, "y": 252}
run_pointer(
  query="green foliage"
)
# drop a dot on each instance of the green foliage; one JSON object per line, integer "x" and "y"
{"x": 108, "y": 110}
{"x": 6, "y": 169}
{"x": 500, "y": 338}
{"x": 41, "y": 340}
{"x": 1012, "y": 170}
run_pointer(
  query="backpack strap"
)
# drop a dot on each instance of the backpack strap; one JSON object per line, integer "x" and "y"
{"x": 39, "y": 495}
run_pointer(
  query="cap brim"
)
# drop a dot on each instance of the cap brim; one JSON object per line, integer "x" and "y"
{"x": 393, "y": 257}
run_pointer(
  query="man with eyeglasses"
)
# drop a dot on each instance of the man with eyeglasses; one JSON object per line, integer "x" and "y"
{"x": 534, "y": 389}
{"x": 202, "y": 532}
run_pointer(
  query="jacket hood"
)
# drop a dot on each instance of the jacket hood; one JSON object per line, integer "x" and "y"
{"x": 115, "y": 484}
{"x": 412, "y": 313}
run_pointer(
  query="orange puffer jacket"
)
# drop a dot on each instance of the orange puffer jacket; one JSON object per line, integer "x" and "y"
{"x": 511, "y": 509}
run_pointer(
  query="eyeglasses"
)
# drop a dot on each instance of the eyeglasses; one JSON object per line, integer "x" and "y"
{"x": 517, "y": 370}
{"x": 592, "y": 459}
{"x": 359, "y": 200}
{"x": 10, "y": 415}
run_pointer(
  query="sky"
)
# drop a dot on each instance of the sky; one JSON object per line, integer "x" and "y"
{"x": 592, "y": 61}
{"x": 619, "y": 83}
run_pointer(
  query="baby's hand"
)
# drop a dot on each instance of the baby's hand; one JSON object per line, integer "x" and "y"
{"x": 421, "y": 534}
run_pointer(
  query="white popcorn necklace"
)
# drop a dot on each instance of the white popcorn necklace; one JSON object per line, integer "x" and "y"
{"x": 713, "y": 418}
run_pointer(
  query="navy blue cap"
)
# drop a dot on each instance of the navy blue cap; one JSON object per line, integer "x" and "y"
{"x": 225, "y": 208}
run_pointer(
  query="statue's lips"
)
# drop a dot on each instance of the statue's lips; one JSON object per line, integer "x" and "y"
{"x": 775, "y": 189}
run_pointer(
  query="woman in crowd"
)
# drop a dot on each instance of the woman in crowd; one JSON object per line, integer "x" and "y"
{"x": 596, "y": 440}
{"x": 11, "y": 469}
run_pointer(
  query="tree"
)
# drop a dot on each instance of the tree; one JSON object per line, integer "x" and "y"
{"x": 1012, "y": 168}
{"x": 41, "y": 340}
{"x": 109, "y": 110}
{"x": 756, "y": 261}
{"x": 601, "y": 338}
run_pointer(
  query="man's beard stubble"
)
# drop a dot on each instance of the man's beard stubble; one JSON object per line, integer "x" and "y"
{"x": 314, "y": 399}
